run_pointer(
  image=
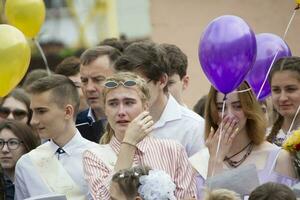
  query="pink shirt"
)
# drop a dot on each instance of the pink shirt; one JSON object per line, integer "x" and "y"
{"x": 163, "y": 154}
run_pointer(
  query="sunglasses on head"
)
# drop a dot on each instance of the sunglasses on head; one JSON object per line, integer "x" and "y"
{"x": 18, "y": 114}
{"x": 114, "y": 84}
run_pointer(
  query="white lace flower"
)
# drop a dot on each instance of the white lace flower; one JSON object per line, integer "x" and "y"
{"x": 158, "y": 185}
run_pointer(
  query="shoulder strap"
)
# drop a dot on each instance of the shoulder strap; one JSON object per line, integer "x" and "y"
{"x": 106, "y": 154}
{"x": 272, "y": 159}
{"x": 54, "y": 174}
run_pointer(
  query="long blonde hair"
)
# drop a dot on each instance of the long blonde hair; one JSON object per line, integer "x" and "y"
{"x": 141, "y": 88}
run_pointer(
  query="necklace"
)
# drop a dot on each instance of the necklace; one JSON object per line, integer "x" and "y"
{"x": 235, "y": 164}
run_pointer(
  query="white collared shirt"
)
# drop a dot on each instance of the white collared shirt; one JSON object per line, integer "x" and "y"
{"x": 182, "y": 124}
{"x": 28, "y": 183}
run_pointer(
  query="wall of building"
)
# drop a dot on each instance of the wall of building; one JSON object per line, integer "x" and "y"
{"x": 182, "y": 22}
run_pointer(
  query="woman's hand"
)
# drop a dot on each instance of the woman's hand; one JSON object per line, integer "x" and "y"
{"x": 138, "y": 128}
{"x": 230, "y": 130}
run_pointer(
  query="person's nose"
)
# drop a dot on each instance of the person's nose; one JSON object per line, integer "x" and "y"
{"x": 5, "y": 148}
{"x": 121, "y": 110}
{"x": 229, "y": 112}
{"x": 90, "y": 86}
{"x": 283, "y": 96}
{"x": 10, "y": 116}
{"x": 34, "y": 120}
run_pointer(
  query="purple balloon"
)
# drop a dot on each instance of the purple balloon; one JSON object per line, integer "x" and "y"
{"x": 227, "y": 51}
{"x": 267, "y": 46}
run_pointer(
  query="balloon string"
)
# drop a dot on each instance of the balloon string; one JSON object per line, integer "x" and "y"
{"x": 266, "y": 77}
{"x": 292, "y": 124}
{"x": 270, "y": 67}
{"x": 220, "y": 136}
{"x": 43, "y": 55}
{"x": 289, "y": 24}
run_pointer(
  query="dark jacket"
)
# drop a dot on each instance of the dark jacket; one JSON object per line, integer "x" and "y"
{"x": 88, "y": 129}
{"x": 9, "y": 189}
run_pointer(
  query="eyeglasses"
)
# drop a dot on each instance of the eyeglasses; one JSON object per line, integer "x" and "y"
{"x": 12, "y": 143}
{"x": 18, "y": 114}
{"x": 114, "y": 84}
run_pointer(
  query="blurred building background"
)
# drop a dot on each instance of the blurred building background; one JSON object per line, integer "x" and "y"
{"x": 73, "y": 25}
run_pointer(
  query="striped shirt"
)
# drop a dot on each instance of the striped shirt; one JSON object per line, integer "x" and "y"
{"x": 163, "y": 154}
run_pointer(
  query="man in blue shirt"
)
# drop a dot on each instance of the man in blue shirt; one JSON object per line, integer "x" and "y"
{"x": 96, "y": 64}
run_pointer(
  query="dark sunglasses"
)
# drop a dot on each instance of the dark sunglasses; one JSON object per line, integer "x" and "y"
{"x": 18, "y": 114}
{"x": 114, "y": 84}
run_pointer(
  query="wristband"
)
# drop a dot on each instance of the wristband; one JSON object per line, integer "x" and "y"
{"x": 128, "y": 143}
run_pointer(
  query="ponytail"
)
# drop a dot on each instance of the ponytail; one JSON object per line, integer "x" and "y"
{"x": 105, "y": 139}
{"x": 275, "y": 129}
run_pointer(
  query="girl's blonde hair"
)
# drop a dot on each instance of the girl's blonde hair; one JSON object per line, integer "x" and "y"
{"x": 221, "y": 194}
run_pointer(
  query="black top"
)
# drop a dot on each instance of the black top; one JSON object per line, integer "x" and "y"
{"x": 9, "y": 189}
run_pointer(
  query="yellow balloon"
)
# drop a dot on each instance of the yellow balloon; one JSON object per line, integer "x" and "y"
{"x": 26, "y": 15}
{"x": 14, "y": 58}
{"x": 297, "y": 1}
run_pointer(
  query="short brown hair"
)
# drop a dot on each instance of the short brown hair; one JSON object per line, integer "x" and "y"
{"x": 62, "y": 88}
{"x": 145, "y": 57}
{"x": 113, "y": 42}
{"x": 69, "y": 66}
{"x": 93, "y": 53}
{"x": 272, "y": 191}
{"x": 33, "y": 76}
{"x": 256, "y": 122}
{"x": 177, "y": 60}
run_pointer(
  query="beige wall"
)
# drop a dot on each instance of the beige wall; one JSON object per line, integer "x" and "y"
{"x": 181, "y": 22}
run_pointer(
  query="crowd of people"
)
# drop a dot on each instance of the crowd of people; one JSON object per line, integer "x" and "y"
{"x": 113, "y": 124}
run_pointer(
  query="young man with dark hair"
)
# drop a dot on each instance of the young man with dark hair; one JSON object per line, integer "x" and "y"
{"x": 96, "y": 64}
{"x": 172, "y": 120}
{"x": 113, "y": 42}
{"x": 55, "y": 167}
{"x": 70, "y": 67}
{"x": 178, "y": 78}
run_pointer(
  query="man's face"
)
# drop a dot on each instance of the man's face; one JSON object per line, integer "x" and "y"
{"x": 155, "y": 89}
{"x": 92, "y": 77}
{"x": 48, "y": 118}
{"x": 176, "y": 86}
{"x": 77, "y": 82}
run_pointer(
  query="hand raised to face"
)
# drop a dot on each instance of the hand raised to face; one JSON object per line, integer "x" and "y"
{"x": 229, "y": 131}
{"x": 138, "y": 128}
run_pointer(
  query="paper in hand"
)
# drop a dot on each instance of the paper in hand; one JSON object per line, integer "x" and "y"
{"x": 243, "y": 180}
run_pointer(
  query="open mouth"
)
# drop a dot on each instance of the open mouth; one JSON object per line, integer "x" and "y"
{"x": 122, "y": 122}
